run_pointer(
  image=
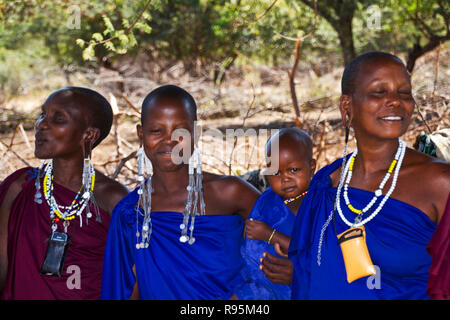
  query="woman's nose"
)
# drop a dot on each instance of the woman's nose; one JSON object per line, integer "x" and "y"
{"x": 393, "y": 99}
{"x": 41, "y": 123}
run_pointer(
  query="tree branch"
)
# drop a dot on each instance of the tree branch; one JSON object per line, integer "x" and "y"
{"x": 237, "y": 25}
{"x": 127, "y": 30}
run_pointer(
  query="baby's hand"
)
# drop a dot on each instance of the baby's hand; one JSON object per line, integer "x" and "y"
{"x": 257, "y": 230}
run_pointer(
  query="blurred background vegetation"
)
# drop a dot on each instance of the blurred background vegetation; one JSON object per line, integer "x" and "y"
{"x": 207, "y": 35}
{"x": 239, "y": 58}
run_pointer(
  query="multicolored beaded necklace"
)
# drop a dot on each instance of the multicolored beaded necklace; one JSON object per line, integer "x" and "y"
{"x": 78, "y": 204}
{"x": 295, "y": 198}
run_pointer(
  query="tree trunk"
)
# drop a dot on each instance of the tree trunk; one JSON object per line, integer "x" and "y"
{"x": 345, "y": 34}
{"x": 417, "y": 50}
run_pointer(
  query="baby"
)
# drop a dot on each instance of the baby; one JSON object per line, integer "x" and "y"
{"x": 272, "y": 218}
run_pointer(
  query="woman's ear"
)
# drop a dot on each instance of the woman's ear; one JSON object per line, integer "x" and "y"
{"x": 91, "y": 135}
{"x": 345, "y": 103}
{"x": 140, "y": 134}
{"x": 312, "y": 165}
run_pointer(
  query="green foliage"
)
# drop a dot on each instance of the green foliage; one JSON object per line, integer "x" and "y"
{"x": 212, "y": 32}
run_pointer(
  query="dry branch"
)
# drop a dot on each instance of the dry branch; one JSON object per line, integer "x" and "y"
{"x": 122, "y": 162}
{"x": 16, "y": 154}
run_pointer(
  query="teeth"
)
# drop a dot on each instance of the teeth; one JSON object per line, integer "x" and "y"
{"x": 392, "y": 118}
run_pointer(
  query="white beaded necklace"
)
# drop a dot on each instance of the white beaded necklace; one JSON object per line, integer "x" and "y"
{"x": 78, "y": 204}
{"x": 347, "y": 175}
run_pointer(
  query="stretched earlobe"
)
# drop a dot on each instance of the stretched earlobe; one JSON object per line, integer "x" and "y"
{"x": 344, "y": 107}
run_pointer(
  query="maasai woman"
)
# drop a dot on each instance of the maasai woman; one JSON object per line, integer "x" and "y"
{"x": 383, "y": 201}
{"x": 177, "y": 235}
{"x": 54, "y": 221}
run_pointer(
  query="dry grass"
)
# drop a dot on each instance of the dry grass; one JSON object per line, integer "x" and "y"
{"x": 251, "y": 97}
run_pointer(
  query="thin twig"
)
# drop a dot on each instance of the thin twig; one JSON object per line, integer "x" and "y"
{"x": 132, "y": 106}
{"x": 243, "y": 126}
{"x": 15, "y": 153}
{"x": 257, "y": 18}
{"x": 436, "y": 69}
{"x": 24, "y": 135}
{"x": 122, "y": 162}
{"x": 423, "y": 119}
{"x": 292, "y": 83}
{"x": 306, "y": 36}
{"x": 127, "y": 30}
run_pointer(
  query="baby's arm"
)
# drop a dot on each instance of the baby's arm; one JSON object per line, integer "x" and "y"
{"x": 259, "y": 230}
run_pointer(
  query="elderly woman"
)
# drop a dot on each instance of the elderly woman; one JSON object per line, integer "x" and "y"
{"x": 177, "y": 236}
{"x": 54, "y": 221}
{"x": 364, "y": 226}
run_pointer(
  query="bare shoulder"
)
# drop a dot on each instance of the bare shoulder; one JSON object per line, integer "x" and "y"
{"x": 430, "y": 177}
{"x": 232, "y": 184}
{"x": 435, "y": 171}
{"x": 108, "y": 192}
{"x": 232, "y": 192}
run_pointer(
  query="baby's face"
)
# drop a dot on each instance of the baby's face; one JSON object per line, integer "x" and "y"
{"x": 294, "y": 173}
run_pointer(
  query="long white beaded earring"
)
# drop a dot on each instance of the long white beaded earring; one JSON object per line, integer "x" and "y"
{"x": 144, "y": 178}
{"x": 87, "y": 181}
{"x": 195, "y": 199}
{"x": 37, "y": 184}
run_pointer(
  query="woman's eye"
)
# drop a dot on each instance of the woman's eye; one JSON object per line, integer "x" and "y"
{"x": 378, "y": 91}
{"x": 406, "y": 93}
{"x": 277, "y": 173}
{"x": 58, "y": 118}
{"x": 293, "y": 170}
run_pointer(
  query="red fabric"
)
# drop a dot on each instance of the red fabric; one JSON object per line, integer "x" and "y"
{"x": 28, "y": 232}
{"x": 439, "y": 249}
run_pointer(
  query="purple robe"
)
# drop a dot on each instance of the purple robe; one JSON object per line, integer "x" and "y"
{"x": 28, "y": 232}
{"x": 439, "y": 250}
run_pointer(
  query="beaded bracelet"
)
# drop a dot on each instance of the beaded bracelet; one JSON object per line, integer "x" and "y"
{"x": 271, "y": 236}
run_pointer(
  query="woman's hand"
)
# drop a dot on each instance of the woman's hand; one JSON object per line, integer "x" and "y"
{"x": 257, "y": 230}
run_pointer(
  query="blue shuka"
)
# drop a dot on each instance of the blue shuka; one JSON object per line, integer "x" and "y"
{"x": 396, "y": 239}
{"x": 168, "y": 269}
{"x": 269, "y": 208}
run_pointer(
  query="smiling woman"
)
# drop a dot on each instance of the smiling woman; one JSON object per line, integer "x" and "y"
{"x": 375, "y": 191}
{"x": 153, "y": 250}
{"x": 55, "y": 219}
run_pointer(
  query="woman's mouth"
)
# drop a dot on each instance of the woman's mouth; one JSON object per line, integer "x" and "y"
{"x": 39, "y": 141}
{"x": 392, "y": 118}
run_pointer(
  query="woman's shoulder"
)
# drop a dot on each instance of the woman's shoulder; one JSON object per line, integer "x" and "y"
{"x": 426, "y": 183}
{"x": 108, "y": 191}
{"x": 14, "y": 182}
{"x": 231, "y": 193}
{"x": 435, "y": 170}
{"x": 125, "y": 209}
{"x": 11, "y": 187}
{"x": 228, "y": 183}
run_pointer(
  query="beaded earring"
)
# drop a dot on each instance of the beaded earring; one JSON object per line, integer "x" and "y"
{"x": 87, "y": 178}
{"x": 37, "y": 184}
{"x": 144, "y": 178}
{"x": 195, "y": 199}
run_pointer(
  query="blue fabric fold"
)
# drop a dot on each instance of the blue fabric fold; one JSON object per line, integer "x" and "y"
{"x": 270, "y": 209}
{"x": 396, "y": 239}
{"x": 168, "y": 269}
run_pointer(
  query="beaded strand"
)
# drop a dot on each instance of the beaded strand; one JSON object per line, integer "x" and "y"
{"x": 76, "y": 207}
{"x": 397, "y": 164}
{"x": 295, "y": 198}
